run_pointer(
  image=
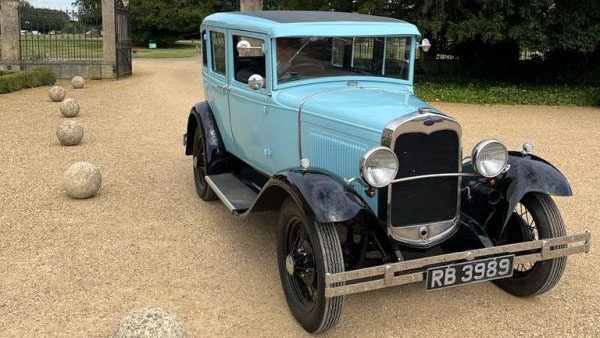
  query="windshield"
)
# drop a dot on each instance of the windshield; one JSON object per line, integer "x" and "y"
{"x": 310, "y": 57}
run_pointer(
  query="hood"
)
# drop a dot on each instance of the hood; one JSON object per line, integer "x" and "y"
{"x": 364, "y": 106}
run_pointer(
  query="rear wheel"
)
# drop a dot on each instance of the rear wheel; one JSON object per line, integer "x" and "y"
{"x": 200, "y": 166}
{"x": 306, "y": 251}
{"x": 535, "y": 217}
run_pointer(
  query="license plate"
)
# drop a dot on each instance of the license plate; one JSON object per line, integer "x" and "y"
{"x": 469, "y": 272}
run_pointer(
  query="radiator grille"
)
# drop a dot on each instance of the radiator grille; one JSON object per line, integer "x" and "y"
{"x": 427, "y": 200}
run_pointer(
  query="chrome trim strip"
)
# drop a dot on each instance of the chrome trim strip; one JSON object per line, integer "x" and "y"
{"x": 219, "y": 194}
{"x": 436, "y": 232}
{"x": 415, "y": 123}
{"x": 386, "y": 274}
{"x": 421, "y": 177}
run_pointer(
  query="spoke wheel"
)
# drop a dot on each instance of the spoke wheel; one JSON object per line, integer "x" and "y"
{"x": 300, "y": 264}
{"x": 200, "y": 165}
{"x": 306, "y": 251}
{"x": 529, "y": 232}
{"x": 535, "y": 217}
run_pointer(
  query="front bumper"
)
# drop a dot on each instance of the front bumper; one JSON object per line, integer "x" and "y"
{"x": 382, "y": 276}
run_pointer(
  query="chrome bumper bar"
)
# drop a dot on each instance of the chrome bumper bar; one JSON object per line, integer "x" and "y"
{"x": 382, "y": 276}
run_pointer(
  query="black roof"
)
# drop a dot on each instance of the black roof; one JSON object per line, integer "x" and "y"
{"x": 315, "y": 16}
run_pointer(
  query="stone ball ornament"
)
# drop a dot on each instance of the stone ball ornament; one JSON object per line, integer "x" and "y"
{"x": 56, "y": 94}
{"x": 78, "y": 82}
{"x": 82, "y": 180}
{"x": 69, "y": 108}
{"x": 69, "y": 133}
{"x": 150, "y": 321}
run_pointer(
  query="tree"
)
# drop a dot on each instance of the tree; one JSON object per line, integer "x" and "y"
{"x": 163, "y": 21}
{"x": 166, "y": 21}
{"x": 41, "y": 19}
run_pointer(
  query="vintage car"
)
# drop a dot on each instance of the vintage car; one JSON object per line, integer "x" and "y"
{"x": 313, "y": 114}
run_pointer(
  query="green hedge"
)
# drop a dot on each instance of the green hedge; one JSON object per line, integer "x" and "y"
{"x": 13, "y": 81}
{"x": 430, "y": 89}
{"x": 6, "y": 72}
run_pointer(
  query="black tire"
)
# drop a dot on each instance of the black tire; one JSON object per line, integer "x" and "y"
{"x": 304, "y": 289}
{"x": 200, "y": 165}
{"x": 543, "y": 275}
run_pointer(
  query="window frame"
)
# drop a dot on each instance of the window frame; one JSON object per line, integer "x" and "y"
{"x": 268, "y": 60}
{"x": 212, "y": 65}
{"x": 409, "y": 82}
{"x": 204, "y": 46}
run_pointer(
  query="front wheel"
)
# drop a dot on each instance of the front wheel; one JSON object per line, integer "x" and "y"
{"x": 535, "y": 217}
{"x": 306, "y": 251}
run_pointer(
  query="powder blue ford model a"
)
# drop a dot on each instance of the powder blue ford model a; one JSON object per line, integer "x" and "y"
{"x": 313, "y": 114}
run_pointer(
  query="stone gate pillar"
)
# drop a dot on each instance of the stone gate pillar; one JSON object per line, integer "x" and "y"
{"x": 251, "y": 5}
{"x": 11, "y": 29}
{"x": 109, "y": 39}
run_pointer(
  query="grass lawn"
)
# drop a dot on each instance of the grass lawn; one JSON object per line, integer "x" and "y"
{"x": 181, "y": 49}
{"x": 487, "y": 92}
{"x": 61, "y": 47}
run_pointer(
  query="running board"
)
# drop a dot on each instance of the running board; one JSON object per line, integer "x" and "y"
{"x": 234, "y": 193}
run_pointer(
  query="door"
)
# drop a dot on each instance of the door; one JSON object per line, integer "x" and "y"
{"x": 248, "y": 107}
{"x": 216, "y": 84}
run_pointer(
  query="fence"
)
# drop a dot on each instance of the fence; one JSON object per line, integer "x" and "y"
{"x": 60, "y": 35}
{"x": 83, "y": 41}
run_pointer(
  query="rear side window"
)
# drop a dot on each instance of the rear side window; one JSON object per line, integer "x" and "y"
{"x": 250, "y": 61}
{"x": 203, "y": 37}
{"x": 218, "y": 52}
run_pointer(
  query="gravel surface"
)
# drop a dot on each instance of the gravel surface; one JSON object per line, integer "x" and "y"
{"x": 72, "y": 268}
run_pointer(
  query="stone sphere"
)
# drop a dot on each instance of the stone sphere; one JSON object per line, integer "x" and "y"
{"x": 149, "y": 322}
{"x": 77, "y": 82}
{"x": 69, "y": 133}
{"x": 69, "y": 108}
{"x": 57, "y": 94}
{"x": 82, "y": 180}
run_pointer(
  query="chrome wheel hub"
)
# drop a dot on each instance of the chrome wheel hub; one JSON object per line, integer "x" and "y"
{"x": 289, "y": 265}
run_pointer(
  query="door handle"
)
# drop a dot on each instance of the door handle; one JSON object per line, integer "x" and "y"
{"x": 224, "y": 87}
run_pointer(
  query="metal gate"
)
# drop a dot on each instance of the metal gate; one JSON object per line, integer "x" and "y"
{"x": 123, "y": 38}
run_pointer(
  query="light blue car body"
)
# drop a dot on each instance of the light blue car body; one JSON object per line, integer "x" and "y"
{"x": 338, "y": 122}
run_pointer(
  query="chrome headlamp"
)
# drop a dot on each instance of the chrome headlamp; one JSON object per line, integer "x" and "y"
{"x": 489, "y": 158}
{"x": 378, "y": 167}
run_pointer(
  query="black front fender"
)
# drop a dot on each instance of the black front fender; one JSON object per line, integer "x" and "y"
{"x": 527, "y": 173}
{"x": 323, "y": 196}
{"x": 530, "y": 173}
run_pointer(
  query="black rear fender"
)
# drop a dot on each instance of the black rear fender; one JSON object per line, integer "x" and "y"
{"x": 217, "y": 156}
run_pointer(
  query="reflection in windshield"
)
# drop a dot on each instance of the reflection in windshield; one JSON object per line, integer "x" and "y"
{"x": 310, "y": 57}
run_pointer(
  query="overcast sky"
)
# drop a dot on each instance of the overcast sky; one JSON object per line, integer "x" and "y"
{"x": 57, "y": 4}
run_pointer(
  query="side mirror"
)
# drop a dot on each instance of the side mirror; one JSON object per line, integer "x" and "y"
{"x": 256, "y": 82}
{"x": 243, "y": 46}
{"x": 425, "y": 45}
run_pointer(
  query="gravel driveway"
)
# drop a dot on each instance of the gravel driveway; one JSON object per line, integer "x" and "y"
{"x": 71, "y": 268}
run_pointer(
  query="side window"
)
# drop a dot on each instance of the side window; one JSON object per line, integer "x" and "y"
{"x": 250, "y": 60}
{"x": 203, "y": 37}
{"x": 218, "y": 52}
